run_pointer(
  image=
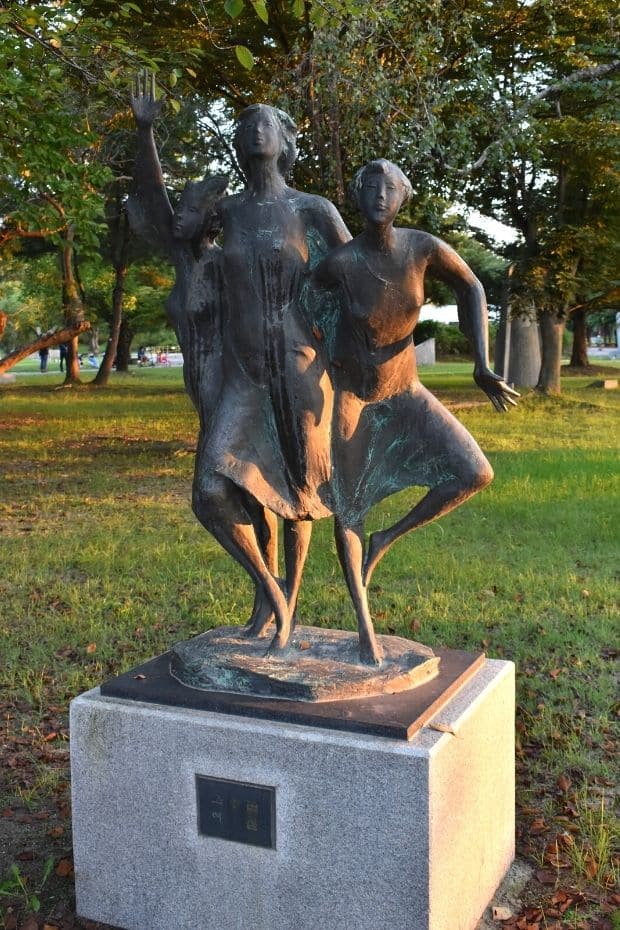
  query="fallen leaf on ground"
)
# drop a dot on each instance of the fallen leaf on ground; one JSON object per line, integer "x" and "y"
{"x": 64, "y": 868}
{"x": 26, "y": 856}
{"x": 591, "y": 866}
{"x": 564, "y": 783}
{"x": 92, "y": 647}
{"x": 501, "y": 913}
{"x": 545, "y": 877}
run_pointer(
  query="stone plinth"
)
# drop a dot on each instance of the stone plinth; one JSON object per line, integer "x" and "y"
{"x": 369, "y": 832}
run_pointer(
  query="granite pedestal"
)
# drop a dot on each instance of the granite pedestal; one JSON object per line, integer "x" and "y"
{"x": 369, "y": 832}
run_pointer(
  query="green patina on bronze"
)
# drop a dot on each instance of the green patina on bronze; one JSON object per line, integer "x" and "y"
{"x": 299, "y": 357}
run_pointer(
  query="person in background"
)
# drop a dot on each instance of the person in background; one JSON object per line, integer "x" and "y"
{"x": 43, "y": 357}
{"x": 62, "y": 348}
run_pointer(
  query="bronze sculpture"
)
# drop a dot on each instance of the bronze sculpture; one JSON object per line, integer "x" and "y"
{"x": 389, "y": 432}
{"x": 299, "y": 357}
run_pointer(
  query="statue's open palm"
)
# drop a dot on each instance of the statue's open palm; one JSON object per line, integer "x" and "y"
{"x": 146, "y": 108}
{"x": 494, "y": 386}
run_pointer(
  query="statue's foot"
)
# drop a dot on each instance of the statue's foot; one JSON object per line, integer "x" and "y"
{"x": 257, "y": 629}
{"x": 370, "y": 652}
{"x": 262, "y": 614}
{"x": 378, "y": 545}
{"x": 279, "y": 646}
{"x": 259, "y": 622}
{"x": 294, "y": 621}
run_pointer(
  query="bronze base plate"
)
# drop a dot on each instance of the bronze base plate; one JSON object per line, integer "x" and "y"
{"x": 318, "y": 665}
{"x": 397, "y": 716}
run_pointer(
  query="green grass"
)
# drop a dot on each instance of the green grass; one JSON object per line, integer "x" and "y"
{"x": 105, "y": 565}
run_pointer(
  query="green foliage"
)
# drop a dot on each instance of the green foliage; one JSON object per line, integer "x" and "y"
{"x": 449, "y": 340}
{"x": 16, "y": 886}
{"x": 436, "y": 87}
{"x": 244, "y": 56}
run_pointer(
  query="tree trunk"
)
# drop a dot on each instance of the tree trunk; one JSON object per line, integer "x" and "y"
{"x": 94, "y": 340}
{"x": 579, "y": 354}
{"x": 552, "y": 326}
{"x": 501, "y": 351}
{"x": 123, "y": 352}
{"x": 51, "y": 338}
{"x": 3, "y": 321}
{"x": 73, "y": 305}
{"x": 120, "y": 268}
{"x": 524, "y": 351}
{"x": 336, "y": 151}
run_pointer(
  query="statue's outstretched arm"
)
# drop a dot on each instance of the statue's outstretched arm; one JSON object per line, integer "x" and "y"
{"x": 149, "y": 209}
{"x": 445, "y": 264}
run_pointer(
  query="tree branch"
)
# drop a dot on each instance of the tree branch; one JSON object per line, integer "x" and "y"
{"x": 584, "y": 75}
{"x": 18, "y": 233}
{"x": 51, "y": 338}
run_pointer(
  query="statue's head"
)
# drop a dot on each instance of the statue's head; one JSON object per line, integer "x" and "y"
{"x": 380, "y": 189}
{"x": 265, "y": 133}
{"x": 196, "y": 213}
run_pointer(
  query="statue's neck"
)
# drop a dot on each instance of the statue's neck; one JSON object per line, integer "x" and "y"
{"x": 265, "y": 180}
{"x": 379, "y": 238}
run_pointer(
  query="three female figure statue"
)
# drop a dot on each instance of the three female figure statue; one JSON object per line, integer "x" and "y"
{"x": 297, "y": 422}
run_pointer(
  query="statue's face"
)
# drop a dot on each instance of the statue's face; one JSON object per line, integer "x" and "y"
{"x": 187, "y": 219}
{"x": 381, "y": 196}
{"x": 261, "y": 135}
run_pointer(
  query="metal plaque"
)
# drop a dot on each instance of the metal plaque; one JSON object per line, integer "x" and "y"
{"x": 237, "y": 811}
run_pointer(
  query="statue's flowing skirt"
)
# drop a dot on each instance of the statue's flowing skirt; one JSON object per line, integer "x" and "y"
{"x": 273, "y": 439}
{"x": 404, "y": 441}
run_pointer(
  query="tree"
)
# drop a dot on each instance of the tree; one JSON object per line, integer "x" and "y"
{"x": 49, "y": 179}
{"x": 547, "y": 165}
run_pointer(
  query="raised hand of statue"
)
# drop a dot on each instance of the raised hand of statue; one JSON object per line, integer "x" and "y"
{"x": 496, "y": 388}
{"x": 146, "y": 108}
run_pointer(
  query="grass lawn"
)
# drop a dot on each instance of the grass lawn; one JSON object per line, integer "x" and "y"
{"x": 105, "y": 566}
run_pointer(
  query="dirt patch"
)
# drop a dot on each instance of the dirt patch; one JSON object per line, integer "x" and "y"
{"x": 569, "y": 371}
{"x": 17, "y": 422}
{"x": 508, "y": 898}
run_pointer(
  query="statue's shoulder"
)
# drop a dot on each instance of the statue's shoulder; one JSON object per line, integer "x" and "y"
{"x": 313, "y": 203}
{"x": 422, "y": 243}
{"x": 228, "y": 203}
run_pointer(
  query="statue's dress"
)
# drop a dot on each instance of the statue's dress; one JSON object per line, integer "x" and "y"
{"x": 270, "y": 433}
{"x": 389, "y": 432}
{"x": 407, "y": 440}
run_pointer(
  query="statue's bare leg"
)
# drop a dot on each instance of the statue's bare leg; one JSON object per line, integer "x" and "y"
{"x": 350, "y": 548}
{"x": 219, "y": 506}
{"x": 266, "y": 526}
{"x": 296, "y": 543}
{"x": 440, "y": 500}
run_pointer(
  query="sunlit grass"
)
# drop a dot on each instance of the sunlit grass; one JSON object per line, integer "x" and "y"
{"x": 105, "y": 565}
